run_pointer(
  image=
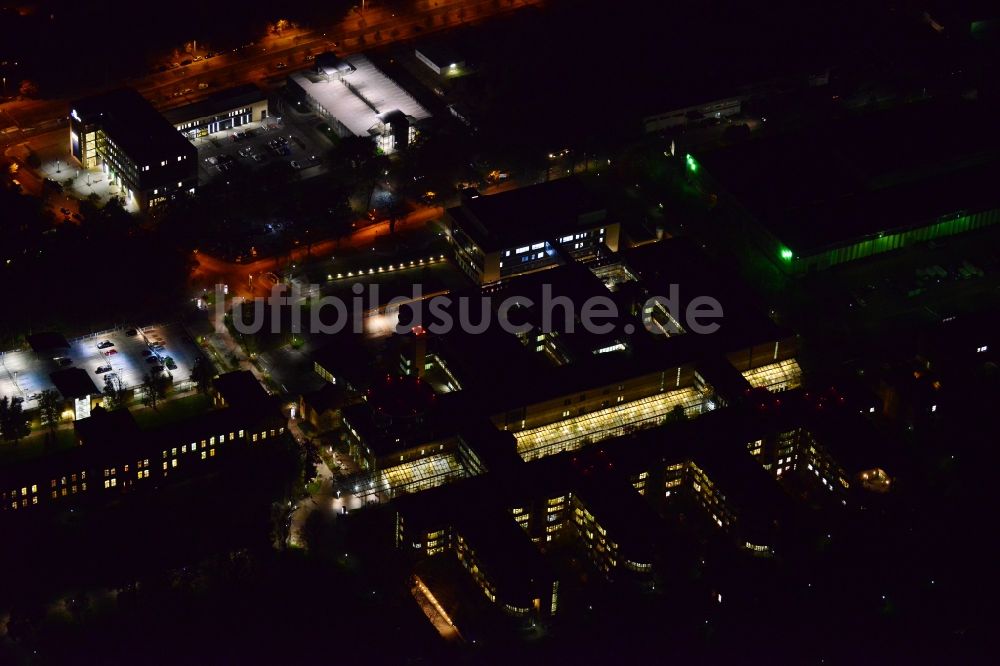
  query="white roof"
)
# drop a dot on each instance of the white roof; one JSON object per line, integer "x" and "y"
{"x": 349, "y": 108}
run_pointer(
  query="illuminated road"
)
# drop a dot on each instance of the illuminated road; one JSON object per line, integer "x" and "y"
{"x": 258, "y": 63}
{"x": 212, "y": 270}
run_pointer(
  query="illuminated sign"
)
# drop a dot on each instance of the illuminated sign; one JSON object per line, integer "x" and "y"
{"x": 75, "y": 116}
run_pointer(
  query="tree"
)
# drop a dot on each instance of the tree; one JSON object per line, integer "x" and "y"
{"x": 28, "y": 89}
{"x": 341, "y": 217}
{"x": 397, "y": 210}
{"x": 14, "y": 425}
{"x": 115, "y": 393}
{"x": 49, "y": 406}
{"x": 310, "y": 460}
{"x": 156, "y": 388}
{"x": 676, "y": 414}
{"x": 202, "y": 374}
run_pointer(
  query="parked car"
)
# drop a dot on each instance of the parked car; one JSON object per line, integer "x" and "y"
{"x": 105, "y": 344}
{"x": 101, "y": 370}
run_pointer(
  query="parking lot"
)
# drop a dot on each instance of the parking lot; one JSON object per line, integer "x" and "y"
{"x": 25, "y": 374}
{"x": 259, "y": 144}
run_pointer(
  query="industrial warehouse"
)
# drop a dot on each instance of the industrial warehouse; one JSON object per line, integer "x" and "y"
{"x": 863, "y": 185}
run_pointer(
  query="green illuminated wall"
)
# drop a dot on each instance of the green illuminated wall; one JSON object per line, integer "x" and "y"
{"x": 894, "y": 241}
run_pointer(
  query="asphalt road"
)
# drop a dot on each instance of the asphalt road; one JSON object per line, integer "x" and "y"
{"x": 212, "y": 270}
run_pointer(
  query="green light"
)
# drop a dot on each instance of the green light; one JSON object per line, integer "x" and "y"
{"x": 787, "y": 254}
{"x": 692, "y": 163}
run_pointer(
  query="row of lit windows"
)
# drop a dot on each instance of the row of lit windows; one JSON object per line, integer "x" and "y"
{"x": 111, "y": 473}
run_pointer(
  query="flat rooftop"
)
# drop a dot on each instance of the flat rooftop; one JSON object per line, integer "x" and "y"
{"x": 371, "y": 93}
{"x": 863, "y": 175}
{"x": 134, "y": 124}
{"x": 439, "y": 53}
{"x": 528, "y": 214}
{"x": 74, "y": 383}
{"x": 218, "y": 102}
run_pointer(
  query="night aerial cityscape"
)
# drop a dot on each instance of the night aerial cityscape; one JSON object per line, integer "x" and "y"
{"x": 499, "y": 331}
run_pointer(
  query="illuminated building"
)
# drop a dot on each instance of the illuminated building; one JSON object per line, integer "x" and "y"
{"x": 614, "y": 524}
{"x": 357, "y": 99}
{"x": 586, "y": 386}
{"x": 860, "y": 186}
{"x": 226, "y": 109}
{"x": 529, "y": 229}
{"x": 321, "y": 408}
{"x": 343, "y": 360}
{"x": 113, "y": 454}
{"x": 122, "y": 134}
{"x": 499, "y": 558}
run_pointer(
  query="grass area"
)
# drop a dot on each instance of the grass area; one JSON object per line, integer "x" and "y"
{"x": 171, "y": 411}
{"x": 34, "y": 446}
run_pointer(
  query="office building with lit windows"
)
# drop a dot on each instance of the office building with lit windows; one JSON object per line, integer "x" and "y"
{"x": 122, "y": 134}
{"x": 529, "y": 229}
{"x": 627, "y": 451}
{"x": 114, "y": 454}
{"x": 465, "y": 522}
